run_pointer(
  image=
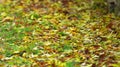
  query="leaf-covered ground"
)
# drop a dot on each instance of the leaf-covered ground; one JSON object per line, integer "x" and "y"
{"x": 51, "y": 33}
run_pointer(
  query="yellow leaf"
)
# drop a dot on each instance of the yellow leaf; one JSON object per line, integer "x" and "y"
{"x": 8, "y": 19}
{"x": 47, "y": 43}
{"x": 3, "y": 14}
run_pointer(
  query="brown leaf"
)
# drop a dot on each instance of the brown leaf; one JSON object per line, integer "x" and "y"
{"x": 110, "y": 25}
{"x": 87, "y": 51}
{"x": 94, "y": 65}
{"x": 96, "y": 46}
{"x": 42, "y": 63}
{"x": 102, "y": 57}
{"x": 1, "y": 56}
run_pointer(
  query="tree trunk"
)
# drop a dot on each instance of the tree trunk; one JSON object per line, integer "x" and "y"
{"x": 114, "y": 6}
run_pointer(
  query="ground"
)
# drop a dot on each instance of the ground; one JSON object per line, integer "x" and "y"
{"x": 52, "y": 33}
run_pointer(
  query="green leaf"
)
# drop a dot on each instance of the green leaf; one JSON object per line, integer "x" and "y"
{"x": 62, "y": 33}
{"x": 69, "y": 64}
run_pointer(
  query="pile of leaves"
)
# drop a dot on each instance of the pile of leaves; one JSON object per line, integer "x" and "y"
{"x": 57, "y": 33}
